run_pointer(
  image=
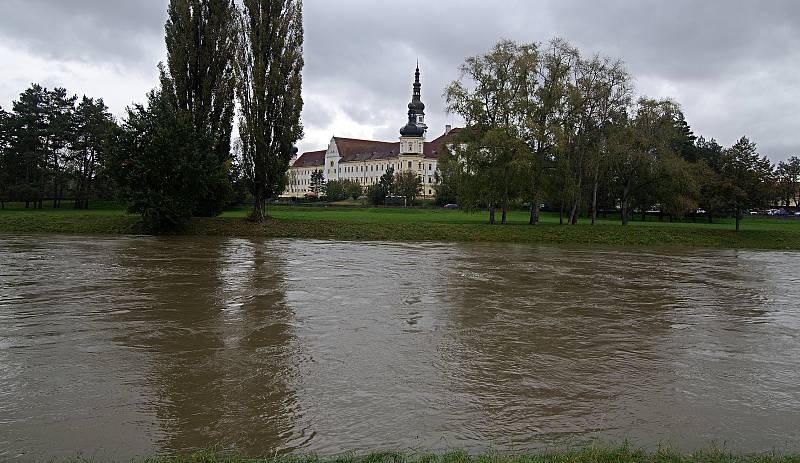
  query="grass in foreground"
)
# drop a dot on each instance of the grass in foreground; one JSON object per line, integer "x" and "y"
{"x": 623, "y": 454}
{"x": 387, "y": 224}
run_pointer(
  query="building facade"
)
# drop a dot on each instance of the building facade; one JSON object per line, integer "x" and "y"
{"x": 365, "y": 161}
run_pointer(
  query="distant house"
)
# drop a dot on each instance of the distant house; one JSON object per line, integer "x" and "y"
{"x": 365, "y": 161}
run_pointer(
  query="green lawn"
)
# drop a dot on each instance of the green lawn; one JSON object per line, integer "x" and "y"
{"x": 420, "y": 216}
{"x": 397, "y": 224}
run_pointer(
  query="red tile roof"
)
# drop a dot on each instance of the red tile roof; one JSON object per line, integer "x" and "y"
{"x": 311, "y": 159}
{"x": 351, "y": 149}
{"x": 434, "y": 148}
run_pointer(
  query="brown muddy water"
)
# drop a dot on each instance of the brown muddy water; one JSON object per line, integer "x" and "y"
{"x": 126, "y": 347}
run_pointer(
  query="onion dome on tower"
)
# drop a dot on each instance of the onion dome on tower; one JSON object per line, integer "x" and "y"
{"x": 416, "y": 113}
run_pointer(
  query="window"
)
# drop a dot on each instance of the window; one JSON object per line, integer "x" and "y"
{"x": 331, "y": 163}
{"x": 430, "y": 166}
{"x": 409, "y": 164}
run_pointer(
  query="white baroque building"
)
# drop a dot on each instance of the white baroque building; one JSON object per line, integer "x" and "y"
{"x": 365, "y": 161}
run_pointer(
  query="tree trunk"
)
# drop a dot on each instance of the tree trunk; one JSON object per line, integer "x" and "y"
{"x": 491, "y": 215}
{"x": 644, "y": 214}
{"x": 573, "y": 213}
{"x": 561, "y": 214}
{"x": 625, "y": 193}
{"x": 259, "y": 209}
{"x": 534, "y": 213}
{"x": 738, "y": 217}
{"x": 594, "y": 202}
{"x": 710, "y": 217}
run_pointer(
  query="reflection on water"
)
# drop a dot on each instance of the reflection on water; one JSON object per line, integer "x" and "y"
{"x": 132, "y": 346}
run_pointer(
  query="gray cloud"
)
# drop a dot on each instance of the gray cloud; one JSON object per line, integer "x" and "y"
{"x": 732, "y": 64}
{"x": 85, "y": 30}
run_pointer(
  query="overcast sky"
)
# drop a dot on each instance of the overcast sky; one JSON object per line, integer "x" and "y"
{"x": 733, "y": 65}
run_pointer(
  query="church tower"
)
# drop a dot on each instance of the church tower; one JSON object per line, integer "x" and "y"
{"x": 412, "y": 135}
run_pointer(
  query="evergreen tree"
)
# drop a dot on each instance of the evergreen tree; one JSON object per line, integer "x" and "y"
{"x": 60, "y": 134}
{"x": 746, "y": 178}
{"x": 709, "y": 158}
{"x": 160, "y": 164}
{"x": 27, "y": 153}
{"x": 95, "y": 137}
{"x": 317, "y": 182}
{"x": 269, "y": 68}
{"x": 200, "y": 80}
{"x": 387, "y": 180}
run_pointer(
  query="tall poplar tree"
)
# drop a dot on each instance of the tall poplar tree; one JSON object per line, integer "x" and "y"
{"x": 5, "y": 170}
{"x": 200, "y": 80}
{"x": 270, "y": 65}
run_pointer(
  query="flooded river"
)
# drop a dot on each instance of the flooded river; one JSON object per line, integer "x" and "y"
{"x": 123, "y": 347}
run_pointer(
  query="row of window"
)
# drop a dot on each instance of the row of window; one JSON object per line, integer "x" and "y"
{"x": 306, "y": 190}
{"x": 380, "y": 168}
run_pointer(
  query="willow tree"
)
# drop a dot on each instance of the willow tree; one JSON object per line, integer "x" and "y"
{"x": 269, "y": 68}
{"x": 200, "y": 80}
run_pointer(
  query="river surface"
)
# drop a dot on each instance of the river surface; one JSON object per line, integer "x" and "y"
{"x": 127, "y": 347}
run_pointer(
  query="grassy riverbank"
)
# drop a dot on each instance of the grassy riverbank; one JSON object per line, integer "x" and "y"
{"x": 587, "y": 455}
{"x": 384, "y": 224}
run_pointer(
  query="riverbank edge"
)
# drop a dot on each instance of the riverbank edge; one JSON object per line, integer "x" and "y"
{"x": 623, "y": 454}
{"x": 602, "y": 235}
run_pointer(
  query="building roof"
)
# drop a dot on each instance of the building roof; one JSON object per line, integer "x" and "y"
{"x": 353, "y": 150}
{"x": 311, "y": 159}
{"x": 434, "y": 148}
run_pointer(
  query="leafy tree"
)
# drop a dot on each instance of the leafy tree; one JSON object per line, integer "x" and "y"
{"x": 377, "y": 194}
{"x": 269, "y": 67}
{"x": 159, "y": 163}
{"x": 446, "y": 183}
{"x": 317, "y": 182}
{"x": 336, "y": 190}
{"x": 641, "y": 147}
{"x": 386, "y": 186}
{"x": 354, "y": 189}
{"x": 491, "y": 97}
{"x": 199, "y": 79}
{"x": 788, "y": 175}
{"x": 407, "y": 184}
{"x": 746, "y": 178}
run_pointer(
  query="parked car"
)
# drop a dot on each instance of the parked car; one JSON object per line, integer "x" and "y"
{"x": 700, "y": 211}
{"x": 451, "y": 206}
